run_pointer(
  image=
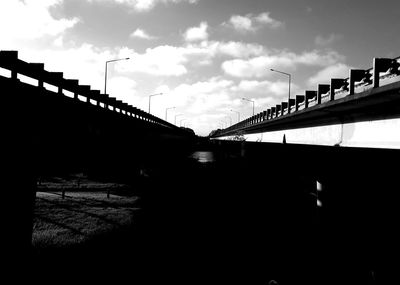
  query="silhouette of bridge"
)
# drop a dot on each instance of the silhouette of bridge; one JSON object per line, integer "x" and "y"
{"x": 298, "y": 213}
{"x": 51, "y": 124}
{"x": 353, "y": 184}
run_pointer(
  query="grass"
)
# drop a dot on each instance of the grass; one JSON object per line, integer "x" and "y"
{"x": 84, "y": 213}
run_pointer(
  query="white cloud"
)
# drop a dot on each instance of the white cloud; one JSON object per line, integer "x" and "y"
{"x": 264, "y": 18}
{"x": 242, "y": 23}
{"x": 265, "y": 93}
{"x": 338, "y": 70}
{"x": 141, "y": 34}
{"x": 195, "y": 100}
{"x": 325, "y": 41}
{"x": 159, "y": 61}
{"x": 124, "y": 89}
{"x": 174, "y": 61}
{"x": 260, "y": 66}
{"x": 240, "y": 49}
{"x": 145, "y": 5}
{"x": 197, "y": 33}
{"x": 204, "y": 103}
{"x": 30, "y": 20}
{"x": 274, "y": 88}
{"x": 252, "y": 23}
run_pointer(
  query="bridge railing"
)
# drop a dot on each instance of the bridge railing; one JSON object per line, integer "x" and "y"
{"x": 384, "y": 71}
{"x": 35, "y": 74}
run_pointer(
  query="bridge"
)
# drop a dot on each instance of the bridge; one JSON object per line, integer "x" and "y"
{"x": 335, "y": 113}
{"x": 343, "y": 139}
{"x": 285, "y": 209}
{"x": 51, "y": 125}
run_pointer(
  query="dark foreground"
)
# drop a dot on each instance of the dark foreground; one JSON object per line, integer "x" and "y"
{"x": 201, "y": 224}
{"x": 233, "y": 221}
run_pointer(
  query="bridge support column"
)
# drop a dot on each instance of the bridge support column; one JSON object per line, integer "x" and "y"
{"x": 18, "y": 200}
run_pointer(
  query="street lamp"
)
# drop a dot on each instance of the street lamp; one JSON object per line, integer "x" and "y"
{"x": 166, "y": 112}
{"x": 152, "y": 96}
{"x": 105, "y": 74}
{"x": 238, "y": 114}
{"x": 287, "y": 74}
{"x": 177, "y": 116}
{"x": 249, "y": 101}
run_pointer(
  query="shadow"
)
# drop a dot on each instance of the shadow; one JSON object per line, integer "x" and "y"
{"x": 71, "y": 208}
{"x": 61, "y": 225}
{"x": 98, "y": 202}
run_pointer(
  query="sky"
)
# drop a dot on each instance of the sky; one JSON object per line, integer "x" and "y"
{"x": 204, "y": 56}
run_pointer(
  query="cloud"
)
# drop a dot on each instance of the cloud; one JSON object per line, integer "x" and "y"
{"x": 145, "y": 5}
{"x": 242, "y": 23}
{"x": 197, "y": 33}
{"x": 240, "y": 49}
{"x": 141, "y": 34}
{"x": 274, "y": 88}
{"x": 30, "y": 20}
{"x": 124, "y": 89}
{"x": 251, "y": 23}
{"x": 159, "y": 61}
{"x": 339, "y": 70}
{"x": 199, "y": 102}
{"x": 265, "y": 93}
{"x": 321, "y": 41}
{"x": 175, "y": 61}
{"x": 265, "y": 19}
{"x": 260, "y": 66}
{"x": 209, "y": 101}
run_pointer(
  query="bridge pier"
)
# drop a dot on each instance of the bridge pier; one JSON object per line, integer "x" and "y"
{"x": 351, "y": 237}
{"x": 18, "y": 178}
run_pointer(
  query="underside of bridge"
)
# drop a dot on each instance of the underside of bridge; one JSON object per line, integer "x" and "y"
{"x": 297, "y": 214}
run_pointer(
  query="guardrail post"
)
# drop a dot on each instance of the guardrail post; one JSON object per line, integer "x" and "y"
{"x": 299, "y": 99}
{"x": 11, "y": 58}
{"x": 308, "y": 96}
{"x": 95, "y": 95}
{"x": 278, "y": 109}
{"x": 273, "y": 111}
{"x": 39, "y": 69}
{"x": 284, "y": 106}
{"x": 322, "y": 89}
{"x": 58, "y": 77}
{"x": 292, "y": 102}
{"x": 358, "y": 75}
{"x": 383, "y": 65}
{"x": 338, "y": 83}
{"x": 106, "y": 101}
{"x": 84, "y": 90}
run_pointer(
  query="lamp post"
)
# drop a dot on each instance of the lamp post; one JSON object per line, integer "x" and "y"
{"x": 105, "y": 74}
{"x": 238, "y": 113}
{"x": 152, "y": 96}
{"x": 251, "y": 102}
{"x": 166, "y": 112}
{"x": 176, "y": 117}
{"x": 287, "y": 74}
